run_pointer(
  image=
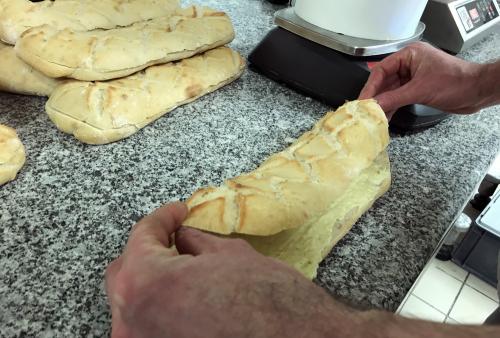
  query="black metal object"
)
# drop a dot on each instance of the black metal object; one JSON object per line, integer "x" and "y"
{"x": 485, "y": 191}
{"x": 478, "y": 253}
{"x": 327, "y": 75}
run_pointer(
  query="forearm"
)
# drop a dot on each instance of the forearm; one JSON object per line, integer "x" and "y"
{"x": 378, "y": 324}
{"x": 338, "y": 320}
{"x": 489, "y": 84}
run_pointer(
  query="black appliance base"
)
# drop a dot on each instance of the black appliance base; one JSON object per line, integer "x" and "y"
{"x": 327, "y": 75}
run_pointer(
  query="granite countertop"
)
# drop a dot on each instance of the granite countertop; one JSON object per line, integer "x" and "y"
{"x": 69, "y": 212}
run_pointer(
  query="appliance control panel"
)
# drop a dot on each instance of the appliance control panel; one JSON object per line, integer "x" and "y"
{"x": 455, "y": 25}
{"x": 477, "y": 13}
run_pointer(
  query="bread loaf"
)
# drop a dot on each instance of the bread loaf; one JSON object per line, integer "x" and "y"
{"x": 300, "y": 183}
{"x": 104, "y": 112}
{"x": 305, "y": 247}
{"x": 110, "y": 54}
{"x": 18, "y": 77}
{"x": 16, "y": 16}
{"x": 12, "y": 155}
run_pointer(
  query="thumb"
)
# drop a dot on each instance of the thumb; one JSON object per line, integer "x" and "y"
{"x": 195, "y": 242}
{"x": 392, "y": 100}
{"x": 154, "y": 230}
{"x": 190, "y": 241}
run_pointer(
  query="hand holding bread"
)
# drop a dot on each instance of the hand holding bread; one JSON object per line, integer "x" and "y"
{"x": 300, "y": 202}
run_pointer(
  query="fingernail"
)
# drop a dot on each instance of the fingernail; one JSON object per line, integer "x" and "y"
{"x": 182, "y": 229}
{"x": 186, "y": 230}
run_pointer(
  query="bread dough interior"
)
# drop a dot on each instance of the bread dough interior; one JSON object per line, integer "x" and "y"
{"x": 305, "y": 247}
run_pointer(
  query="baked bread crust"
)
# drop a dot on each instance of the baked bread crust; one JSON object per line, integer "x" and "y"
{"x": 109, "y": 54}
{"x": 301, "y": 182}
{"x": 104, "y": 112}
{"x": 12, "y": 154}
{"x": 16, "y": 16}
{"x": 18, "y": 77}
{"x": 306, "y": 246}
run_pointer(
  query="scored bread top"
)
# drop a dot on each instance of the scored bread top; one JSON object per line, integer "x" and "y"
{"x": 16, "y": 16}
{"x": 299, "y": 183}
{"x": 18, "y": 77}
{"x": 104, "y": 112}
{"x": 108, "y": 54}
{"x": 12, "y": 155}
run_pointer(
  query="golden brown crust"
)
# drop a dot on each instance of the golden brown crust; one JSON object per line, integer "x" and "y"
{"x": 213, "y": 210}
{"x": 305, "y": 247}
{"x": 12, "y": 154}
{"x": 18, "y": 77}
{"x": 104, "y": 112}
{"x": 16, "y": 16}
{"x": 299, "y": 183}
{"x": 108, "y": 54}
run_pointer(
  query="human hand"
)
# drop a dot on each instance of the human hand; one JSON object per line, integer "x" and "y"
{"x": 211, "y": 287}
{"x": 214, "y": 287}
{"x": 423, "y": 74}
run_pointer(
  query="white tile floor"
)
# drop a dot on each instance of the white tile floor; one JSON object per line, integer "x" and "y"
{"x": 446, "y": 293}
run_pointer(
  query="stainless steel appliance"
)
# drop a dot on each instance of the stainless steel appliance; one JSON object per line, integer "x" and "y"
{"x": 455, "y": 25}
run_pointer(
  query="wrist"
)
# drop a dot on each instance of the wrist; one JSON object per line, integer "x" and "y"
{"x": 379, "y": 324}
{"x": 489, "y": 84}
{"x": 332, "y": 319}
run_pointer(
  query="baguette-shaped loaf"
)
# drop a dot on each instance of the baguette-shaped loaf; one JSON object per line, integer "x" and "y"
{"x": 300, "y": 183}
{"x": 104, "y": 112}
{"x": 16, "y": 16}
{"x": 109, "y": 54}
{"x": 305, "y": 247}
{"x": 18, "y": 77}
{"x": 12, "y": 155}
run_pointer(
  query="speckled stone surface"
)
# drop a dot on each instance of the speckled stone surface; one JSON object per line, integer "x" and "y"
{"x": 69, "y": 212}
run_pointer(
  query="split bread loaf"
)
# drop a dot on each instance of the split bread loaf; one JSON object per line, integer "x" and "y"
{"x": 12, "y": 155}
{"x": 306, "y": 246}
{"x": 110, "y": 54}
{"x": 104, "y": 112}
{"x": 299, "y": 184}
{"x": 16, "y": 16}
{"x": 18, "y": 77}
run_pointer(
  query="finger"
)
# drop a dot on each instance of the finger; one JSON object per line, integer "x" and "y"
{"x": 373, "y": 85}
{"x": 110, "y": 274}
{"x": 392, "y": 100}
{"x": 386, "y": 72}
{"x": 117, "y": 324}
{"x": 195, "y": 242}
{"x": 390, "y": 115}
{"x": 156, "y": 229}
{"x": 373, "y": 88}
{"x": 393, "y": 86}
{"x": 118, "y": 328}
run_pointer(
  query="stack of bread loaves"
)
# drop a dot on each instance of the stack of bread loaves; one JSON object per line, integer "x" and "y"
{"x": 110, "y": 67}
{"x": 301, "y": 201}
